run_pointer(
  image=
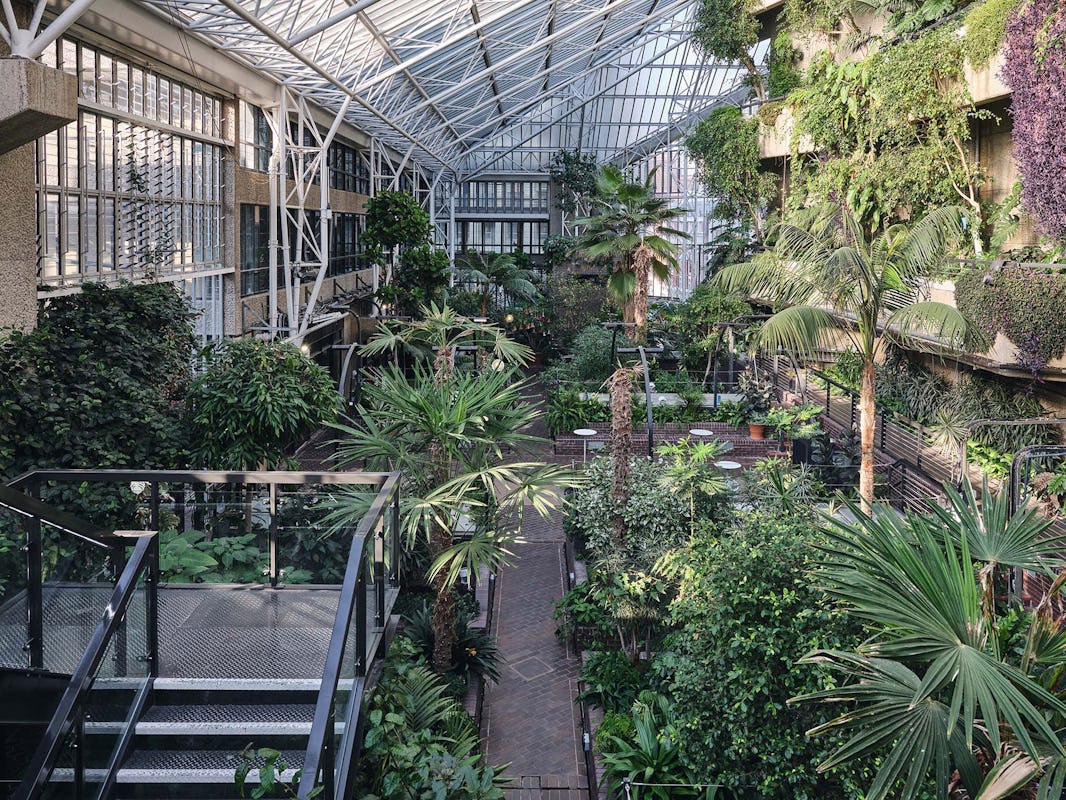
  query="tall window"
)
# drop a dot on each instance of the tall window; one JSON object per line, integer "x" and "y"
{"x": 513, "y": 197}
{"x": 256, "y": 139}
{"x": 133, "y": 188}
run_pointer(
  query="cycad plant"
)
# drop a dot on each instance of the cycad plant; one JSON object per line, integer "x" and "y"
{"x": 630, "y": 231}
{"x": 495, "y": 271}
{"x": 944, "y": 684}
{"x": 830, "y": 282}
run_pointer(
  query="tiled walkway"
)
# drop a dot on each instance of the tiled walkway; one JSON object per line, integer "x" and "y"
{"x": 530, "y": 718}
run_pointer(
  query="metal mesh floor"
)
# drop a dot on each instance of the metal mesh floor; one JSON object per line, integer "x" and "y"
{"x": 244, "y": 632}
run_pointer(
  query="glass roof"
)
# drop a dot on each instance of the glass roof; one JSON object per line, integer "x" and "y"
{"x": 481, "y": 86}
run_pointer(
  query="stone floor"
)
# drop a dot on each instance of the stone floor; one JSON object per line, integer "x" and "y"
{"x": 530, "y": 718}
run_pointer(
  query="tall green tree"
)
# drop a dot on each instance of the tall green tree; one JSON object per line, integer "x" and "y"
{"x": 727, "y": 30}
{"x": 630, "y": 231}
{"x": 495, "y": 271}
{"x": 832, "y": 282}
{"x": 253, "y": 401}
{"x": 447, "y": 432}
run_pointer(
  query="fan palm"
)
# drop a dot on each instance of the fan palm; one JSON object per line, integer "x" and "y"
{"x": 833, "y": 282}
{"x": 490, "y": 271}
{"x": 630, "y": 231}
{"x": 446, "y": 434}
{"x": 933, "y": 684}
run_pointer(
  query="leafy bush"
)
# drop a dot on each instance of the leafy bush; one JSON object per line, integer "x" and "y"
{"x": 395, "y": 219}
{"x": 612, "y": 681}
{"x": 572, "y": 304}
{"x": 747, "y": 611}
{"x": 1035, "y": 70}
{"x": 617, "y": 724}
{"x": 253, "y": 401}
{"x": 656, "y": 520}
{"x": 782, "y": 76}
{"x": 568, "y": 412}
{"x": 419, "y": 740}
{"x": 580, "y": 613}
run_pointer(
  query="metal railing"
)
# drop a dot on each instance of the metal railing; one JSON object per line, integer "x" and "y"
{"x": 335, "y": 732}
{"x": 368, "y": 590}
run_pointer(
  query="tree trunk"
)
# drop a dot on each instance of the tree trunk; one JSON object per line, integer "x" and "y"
{"x": 642, "y": 270}
{"x": 440, "y": 539}
{"x": 621, "y": 388}
{"x": 867, "y": 428}
{"x": 756, "y": 77}
{"x": 443, "y": 604}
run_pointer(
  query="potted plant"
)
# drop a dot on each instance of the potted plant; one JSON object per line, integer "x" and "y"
{"x": 757, "y": 425}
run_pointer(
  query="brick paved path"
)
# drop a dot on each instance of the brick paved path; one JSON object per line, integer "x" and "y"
{"x": 530, "y": 718}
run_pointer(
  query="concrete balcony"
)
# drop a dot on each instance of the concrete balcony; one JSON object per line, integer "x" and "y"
{"x": 34, "y": 100}
{"x": 984, "y": 84}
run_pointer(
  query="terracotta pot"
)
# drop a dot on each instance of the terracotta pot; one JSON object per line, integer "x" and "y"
{"x": 756, "y": 431}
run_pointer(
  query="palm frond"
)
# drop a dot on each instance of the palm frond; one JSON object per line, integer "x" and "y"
{"x": 801, "y": 329}
{"x": 928, "y": 325}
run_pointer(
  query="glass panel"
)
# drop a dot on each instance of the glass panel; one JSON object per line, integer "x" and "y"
{"x": 13, "y": 630}
{"x": 109, "y": 704}
{"x": 78, "y": 579}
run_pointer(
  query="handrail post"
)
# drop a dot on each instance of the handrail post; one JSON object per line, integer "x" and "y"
{"x": 35, "y": 586}
{"x": 152, "y": 579}
{"x": 273, "y": 535}
{"x": 379, "y": 576}
{"x": 918, "y": 455}
{"x": 395, "y": 543}
{"x": 329, "y": 758}
{"x": 79, "y": 757}
{"x": 360, "y": 622}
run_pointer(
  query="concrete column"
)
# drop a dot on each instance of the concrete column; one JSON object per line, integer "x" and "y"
{"x": 18, "y": 239}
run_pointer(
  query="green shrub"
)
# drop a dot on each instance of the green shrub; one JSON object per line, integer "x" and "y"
{"x": 98, "y": 384}
{"x": 612, "y": 682}
{"x": 568, "y": 412}
{"x": 618, "y": 724}
{"x": 253, "y": 401}
{"x": 473, "y": 652}
{"x": 656, "y": 520}
{"x": 747, "y": 610}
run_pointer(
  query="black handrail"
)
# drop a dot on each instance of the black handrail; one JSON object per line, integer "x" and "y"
{"x": 199, "y": 476}
{"x": 22, "y": 503}
{"x": 321, "y": 757}
{"x": 70, "y": 705}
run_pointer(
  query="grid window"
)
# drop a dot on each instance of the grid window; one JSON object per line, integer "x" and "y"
{"x": 119, "y": 196}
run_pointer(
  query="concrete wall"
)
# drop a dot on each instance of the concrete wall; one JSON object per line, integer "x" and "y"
{"x": 18, "y": 239}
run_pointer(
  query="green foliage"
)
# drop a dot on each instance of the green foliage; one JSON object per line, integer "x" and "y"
{"x": 652, "y": 757}
{"x": 657, "y": 521}
{"x": 726, "y": 30}
{"x": 419, "y": 279}
{"x": 575, "y": 173}
{"x": 615, "y": 724}
{"x": 579, "y": 613}
{"x": 693, "y": 326}
{"x": 591, "y": 358}
{"x": 567, "y": 411}
{"x": 725, "y": 147}
{"x": 271, "y": 766}
{"x": 253, "y": 401}
{"x": 98, "y": 384}
{"x": 395, "y": 219}
{"x": 496, "y": 276}
{"x": 782, "y": 76}
{"x": 986, "y": 25}
{"x": 572, "y": 304}
{"x": 933, "y": 693}
{"x": 612, "y": 681}
{"x": 774, "y": 484}
{"x": 473, "y": 652}
{"x": 892, "y": 133}
{"x": 420, "y": 744}
{"x": 557, "y": 250}
{"x": 747, "y": 611}
{"x": 1024, "y": 304}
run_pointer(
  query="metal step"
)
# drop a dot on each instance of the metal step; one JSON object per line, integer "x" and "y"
{"x": 281, "y": 719}
{"x": 160, "y": 767}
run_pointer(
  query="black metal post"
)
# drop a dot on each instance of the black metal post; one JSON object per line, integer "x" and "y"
{"x": 78, "y": 746}
{"x": 360, "y": 622}
{"x": 329, "y": 758}
{"x": 395, "y": 543}
{"x": 273, "y": 535}
{"x": 34, "y": 587}
{"x": 379, "y": 578}
{"x": 152, "y": 579}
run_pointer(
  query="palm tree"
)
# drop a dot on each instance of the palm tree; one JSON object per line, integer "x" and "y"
{"x": 495, "y": 271}
{"x": 833, "y": 282}
{"x": 937, "y": 687}
{"x": 446, "y": 432}
{"x": 629, "y": 230}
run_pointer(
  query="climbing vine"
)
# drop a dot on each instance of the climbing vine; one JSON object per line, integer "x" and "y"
{"x": 891, "y": 135}
{"x": 1035, "y": 70}
{"x": 1024, "y": 304}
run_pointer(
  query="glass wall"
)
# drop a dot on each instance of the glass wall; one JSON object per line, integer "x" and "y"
{"x": 133, "y": 188}
{"x": 504, "y": 237}
{"x": 508, "y": 197}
